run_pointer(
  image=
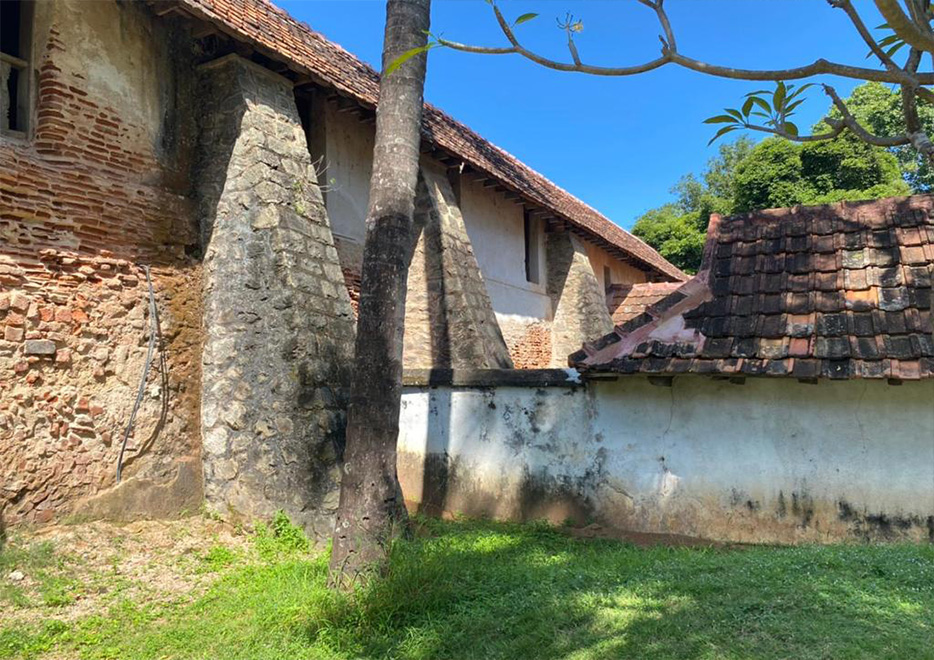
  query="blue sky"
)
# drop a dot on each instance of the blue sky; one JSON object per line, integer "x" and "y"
{"x": 617, "y": 143}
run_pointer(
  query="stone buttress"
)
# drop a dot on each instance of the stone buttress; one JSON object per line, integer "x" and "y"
{"x": 449, "y": 319}
{"x": 580, "y": 311}
{"x": 279, "y": 329}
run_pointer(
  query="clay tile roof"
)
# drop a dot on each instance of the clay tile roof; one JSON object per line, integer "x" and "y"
{"x": 279, "y": 36}
{"x": 837, "y": 291}
{"x": 626, "y": 301}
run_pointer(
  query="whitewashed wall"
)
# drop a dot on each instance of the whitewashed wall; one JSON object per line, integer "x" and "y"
{"x": 768, "y": 461}
{"x": 495, "y": 225}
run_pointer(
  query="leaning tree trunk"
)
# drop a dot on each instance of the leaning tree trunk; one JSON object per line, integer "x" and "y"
{"x": 371, "y": 510}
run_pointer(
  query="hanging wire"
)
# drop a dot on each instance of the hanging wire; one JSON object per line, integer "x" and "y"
{"x": 153, "y": 331}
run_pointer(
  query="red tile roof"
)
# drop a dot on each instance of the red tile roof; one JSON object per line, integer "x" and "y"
{"x": 837, "y": 291}
{"x": 627, "y": 301}
{"x": 279, "y": 36}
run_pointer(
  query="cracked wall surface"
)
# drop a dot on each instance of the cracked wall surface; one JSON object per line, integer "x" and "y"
{"x": 96, "y": 190}
{"x": 278, "y": 322}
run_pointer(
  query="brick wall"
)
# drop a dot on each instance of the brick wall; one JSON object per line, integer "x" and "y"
{"x": 93, "y": 195}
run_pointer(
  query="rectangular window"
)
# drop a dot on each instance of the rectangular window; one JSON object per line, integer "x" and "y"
{"x": 15, "y": 33}
{"x": 607, "y": 279}
{"x": 532, "y": 250}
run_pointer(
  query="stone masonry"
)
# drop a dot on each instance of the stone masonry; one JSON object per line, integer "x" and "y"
{"x": 278, "y": 323}
{"x": 580, "y": 311}
{"x": 96, "y": 190}
{"x": 449, "y": 319}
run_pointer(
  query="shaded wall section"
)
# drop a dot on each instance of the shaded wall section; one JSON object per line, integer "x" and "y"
{"x": 449, "y": 319}
{"x": 771, "y": 461}
{"x": 580, "y": 311}
{"x": 278, "y": 323}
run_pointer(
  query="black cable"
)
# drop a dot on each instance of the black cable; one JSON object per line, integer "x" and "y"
{"x": 142, "y": 382}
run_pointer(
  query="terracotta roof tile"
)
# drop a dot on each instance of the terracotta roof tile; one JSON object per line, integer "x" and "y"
{"x": 276, "y": 34}
{"x": 862, "y": 310}
{"x": 626, "y": 301}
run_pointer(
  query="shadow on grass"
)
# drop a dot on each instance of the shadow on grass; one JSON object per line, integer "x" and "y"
{"x": 484, "y": 590}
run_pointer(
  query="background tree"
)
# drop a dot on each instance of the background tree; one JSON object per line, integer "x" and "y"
{"x": 898, "y": 52}
{"x": 371, "y": 511}
{"x": 746, "y": 176}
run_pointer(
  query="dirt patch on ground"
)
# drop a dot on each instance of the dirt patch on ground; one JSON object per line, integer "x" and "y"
{"x": 68, "y": 572}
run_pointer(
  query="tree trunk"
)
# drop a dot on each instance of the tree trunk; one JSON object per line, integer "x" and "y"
{"x": 371, "y": 511}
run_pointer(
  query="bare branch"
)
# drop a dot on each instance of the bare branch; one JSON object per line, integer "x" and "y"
{"x": 836, "y": 129}
{"x": 670, "y": 54}
{"x": 904, "y": 26}
{"x": 856, "y": 128}
{"x": 850, "y": 10}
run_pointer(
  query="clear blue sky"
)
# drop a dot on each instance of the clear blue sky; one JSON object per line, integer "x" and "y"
{"x": 617, "y": 143}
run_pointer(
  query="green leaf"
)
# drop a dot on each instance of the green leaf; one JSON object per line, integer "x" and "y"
{"x": 759, "y": 91}
{"x": 790, "y": 128}
{"x": 778, "y": 96}
{"x": 762, "y": 103}
{"x": 407, "y": 55}
{"x": 734, "y": 112}
{"x": 721, "y": 119}
{"x": 894, "y": 49}
{"x": 789, "y": 109}
{"x": 747, "y": 107}
{"x": 722, "y": 131}
{"x": 525, "y": 17}
{"x": 761, "y": 114}
{"x": 797, "y": 91}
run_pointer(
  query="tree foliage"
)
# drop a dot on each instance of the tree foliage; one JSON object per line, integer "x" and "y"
{"x": 773, "y": 173}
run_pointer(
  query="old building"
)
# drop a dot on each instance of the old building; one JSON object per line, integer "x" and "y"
{"x": 182, "y": 194}
{"x": 784, "y": 394}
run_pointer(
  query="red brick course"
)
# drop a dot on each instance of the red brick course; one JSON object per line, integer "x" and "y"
{"x": 82, "y": 206}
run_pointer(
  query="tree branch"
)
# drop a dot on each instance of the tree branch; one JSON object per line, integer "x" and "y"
{"x": 856, "y": 128}
{"x": 670, "y": 54}
{"x": 904, "y": 26}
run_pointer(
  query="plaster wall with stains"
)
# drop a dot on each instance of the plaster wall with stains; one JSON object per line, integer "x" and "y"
{"x": 771, "y": 461}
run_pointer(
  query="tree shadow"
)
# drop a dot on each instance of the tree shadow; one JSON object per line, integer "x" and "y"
{"x": 488, "y": 590}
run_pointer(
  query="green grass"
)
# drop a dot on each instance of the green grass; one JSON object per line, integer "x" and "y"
{"x": 479, "y": 590}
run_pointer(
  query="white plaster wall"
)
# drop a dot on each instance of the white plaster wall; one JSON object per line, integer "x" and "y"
{"x": 497, "y": 231}
{"x": 768, "y": 461}
{"x": 494, "y": 224}
{"x": 620, "y": 273}
{"x": 349, "y": 164}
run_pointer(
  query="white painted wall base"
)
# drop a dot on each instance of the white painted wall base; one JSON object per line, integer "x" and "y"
{"x": 771, "y": 461}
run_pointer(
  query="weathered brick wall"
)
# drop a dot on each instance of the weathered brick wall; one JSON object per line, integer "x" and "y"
{"x": 580, "y": 311}
{"x": 278, "y": 321}
{"x": 96, "y": 192}
{"x": 449, "y": 319}
{"x": 529, "y": 343}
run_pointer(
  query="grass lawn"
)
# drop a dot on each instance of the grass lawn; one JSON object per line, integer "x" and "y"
{"x": 481, "y": 590}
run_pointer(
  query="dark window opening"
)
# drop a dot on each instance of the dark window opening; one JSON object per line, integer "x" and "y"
{"x": 607, "y": 279}
{"x": 15, "y": 32}
{"x": 532, "y": 250}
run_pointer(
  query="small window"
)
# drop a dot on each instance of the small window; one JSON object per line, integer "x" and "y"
{"x": 607, "y": 279}
{"x": 532, "y": 250}
{"x": 15, "y": 33}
